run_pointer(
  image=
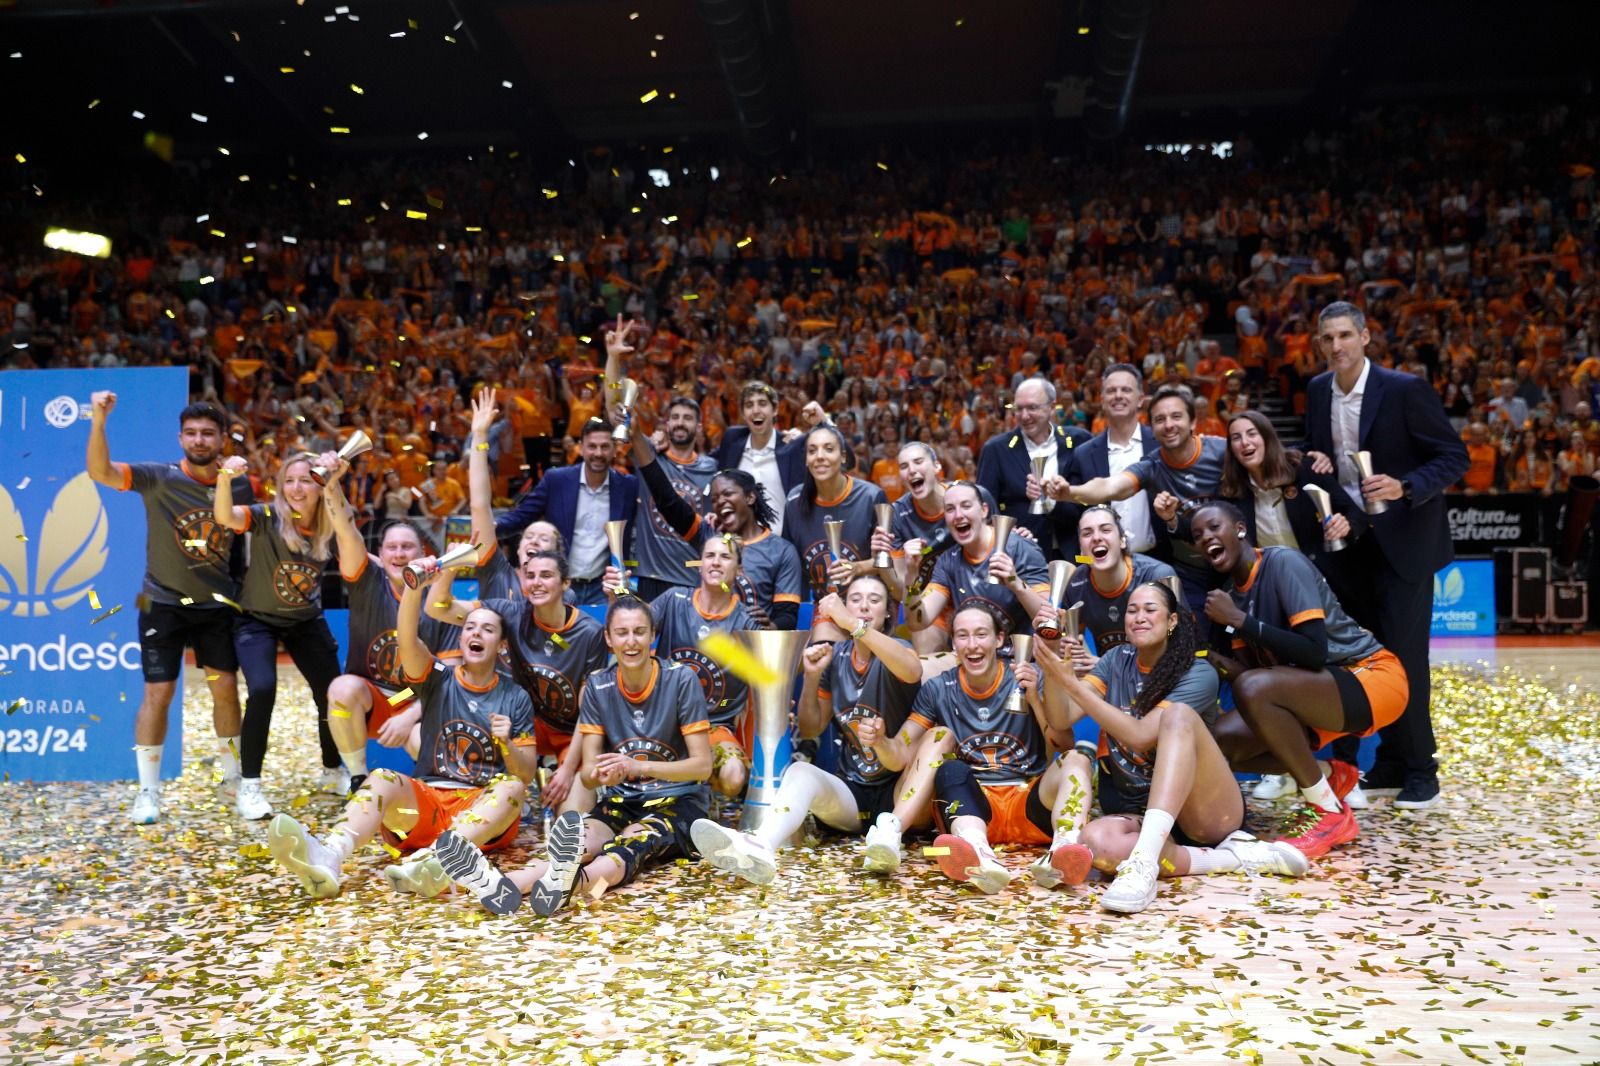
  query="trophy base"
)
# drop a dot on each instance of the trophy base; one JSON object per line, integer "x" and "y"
{"x": 1335, "y": 545}
{"x": 1379, "y": 507}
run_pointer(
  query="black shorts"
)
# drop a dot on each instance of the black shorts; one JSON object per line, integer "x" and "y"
{"x": 871, "y": 801}
{"x": 165, "y": 629}
{"x": 1112, "y": 801}
{"x": 1357, "y": 706}
{"x": 667, "y": 817}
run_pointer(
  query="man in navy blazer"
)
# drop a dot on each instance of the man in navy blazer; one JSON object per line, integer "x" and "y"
{"x": 1005, "y": 465}
{"x": 1416, "y": 456}
{"x": 1121, "y": 400}
{"x": 578, "y": 500}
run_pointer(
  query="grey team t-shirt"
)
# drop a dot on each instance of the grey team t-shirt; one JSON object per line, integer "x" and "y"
{"x": 1105, "y": 613}
{"x": 188, "y": 553}
{"x": 557, "y": 659}
{"x": 456, "y": 744}
{"x": 661, "y": 553}
{"x": 1002, "y": 747}
{"x": 281, "y": 586}
{"x": 651, "y": 726}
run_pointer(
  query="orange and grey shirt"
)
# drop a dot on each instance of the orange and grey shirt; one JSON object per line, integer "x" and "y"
{"x": 281, "y": 586}
{"x": 1002, "y": 747}
{"x": 650, "y": 725}
{"x": 1285, "y": 589}
{"x": 680, "y": 622}
{"x": 187, "y": 551}
{"x": 456, "y": 746}
{"x": 1118, "y": 678}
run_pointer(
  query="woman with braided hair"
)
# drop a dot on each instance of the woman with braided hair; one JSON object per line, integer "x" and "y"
{"x": 769, "y": 579}
{"x": 1161, "y": 774}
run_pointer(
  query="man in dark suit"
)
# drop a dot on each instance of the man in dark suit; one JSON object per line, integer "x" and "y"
{"x": 578, "y": 500}
{"x": 1005, "y": 467}
{"x": 1124, "y": 442}
{"x": 1416, "y": 456}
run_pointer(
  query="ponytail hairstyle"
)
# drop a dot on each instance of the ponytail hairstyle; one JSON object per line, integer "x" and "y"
{"x": 1116, "y": 520}
{"x": 318, "y": 545}
{"x": 808, "y": 491}
{"x": 629, "y": 602}
{"x": 760, "y": 506}
{"x": 1175, "y": 661}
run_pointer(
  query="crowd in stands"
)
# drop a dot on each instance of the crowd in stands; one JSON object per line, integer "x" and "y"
{"x": 907, "y": 296}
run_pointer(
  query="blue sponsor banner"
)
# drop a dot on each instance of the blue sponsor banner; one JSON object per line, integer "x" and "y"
{"x": 70, "y": 680}
{"x": 1463, "y": 599}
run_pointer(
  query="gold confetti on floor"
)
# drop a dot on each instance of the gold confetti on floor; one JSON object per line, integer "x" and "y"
{"x": 1463, "y": 934}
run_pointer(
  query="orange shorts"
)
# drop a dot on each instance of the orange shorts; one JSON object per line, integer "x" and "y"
{"x": 550, "y": 740}
{"x": 437, "y": 810}
{"x": 744, "y": 739}
{"x": 1008, "y": 814}
{"x": 1384, "y": 681}
{"x": 382, "y": 708}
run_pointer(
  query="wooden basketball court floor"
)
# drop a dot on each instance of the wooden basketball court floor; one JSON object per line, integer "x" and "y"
{"x": 1464, "y": 934}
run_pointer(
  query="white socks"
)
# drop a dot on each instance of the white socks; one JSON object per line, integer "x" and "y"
{"x": 147, "y": 757}
{"x": 1152, "y": 834}
{"x": 891, "y": 821}
{"x": 228, "y": 756}
{"x": 1211, "y": 861}
{"x": 1321, "y": 796}
{"x": 977, "y": 836}
{"x": 355, "y": 761}
{"x": 1063, "y": 837}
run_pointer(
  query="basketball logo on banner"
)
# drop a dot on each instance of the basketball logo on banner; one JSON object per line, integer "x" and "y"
{"x": 69, "y": 551}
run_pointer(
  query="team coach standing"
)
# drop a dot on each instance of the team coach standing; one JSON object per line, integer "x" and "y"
{"x": 1416, "y": 455}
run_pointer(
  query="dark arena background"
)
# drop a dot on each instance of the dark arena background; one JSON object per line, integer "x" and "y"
{"x": 345, "y": 220}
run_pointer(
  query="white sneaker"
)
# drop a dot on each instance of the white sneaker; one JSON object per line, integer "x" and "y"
{"x": 470, "y": 868}
{"x": 1066, "y": 863}
{"x": 1356, "y": 799}
{"x": 228, "y": 786}
{"x": 250, "y": 802}
{"x": 1274, "y": 786}
{"x": 880, "y": 854}
{"x": 147, "y": 806}
{"x": 334, "y": 781}
{"x": 740, "y": 854}
{"x": 421, "y": 875}
{"x": 310, "y": 860}
{"x": 1135, "y": 886}
{"x": 1265, "y": 857}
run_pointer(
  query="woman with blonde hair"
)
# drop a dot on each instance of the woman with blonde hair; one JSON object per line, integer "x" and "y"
{"x": 280, "y": 602}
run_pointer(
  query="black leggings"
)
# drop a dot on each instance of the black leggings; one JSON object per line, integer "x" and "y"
{"x": 315, "y": 655}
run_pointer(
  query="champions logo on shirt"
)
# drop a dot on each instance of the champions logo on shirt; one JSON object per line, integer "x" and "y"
{"x": 295, "y": 583}
{"x": 464, "y": 751}
{"x": 647, "y": 749}
{"x": 383, "y": 658}
{"x": 863, "y": 762}
{"x": 554, "y": 699}
{"x": 995, "y": 750}
{"x": 199, "y": 535}
{"x": 713, "y": 681}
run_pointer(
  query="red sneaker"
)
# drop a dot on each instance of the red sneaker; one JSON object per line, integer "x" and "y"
{"x": 1327, "y": 832}
{"x": 1342, "y": 777}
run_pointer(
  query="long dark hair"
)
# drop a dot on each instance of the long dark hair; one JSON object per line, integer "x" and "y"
{"x": 1175, "y": 661}
{"x": 1279, "y": 465}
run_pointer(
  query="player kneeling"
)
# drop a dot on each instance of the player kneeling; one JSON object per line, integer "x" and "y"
{"x": 475, "y": 758}
{"x": 644, "y": 729}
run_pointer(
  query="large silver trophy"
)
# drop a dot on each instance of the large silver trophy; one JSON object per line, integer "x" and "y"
{"x": 1060, "y": 574}
{"x": 420, "y": 573}
{"x": 779, "y": 650}
{"x": 358, "y": 444}
{"x": 1021, "y": 652}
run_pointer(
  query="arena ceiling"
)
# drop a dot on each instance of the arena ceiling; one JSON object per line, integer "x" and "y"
{"x": 362, "y": 75}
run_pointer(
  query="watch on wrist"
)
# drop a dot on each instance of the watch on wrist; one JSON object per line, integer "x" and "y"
{"x": 860, "y": 629}
{"x": 1405, "y": 488}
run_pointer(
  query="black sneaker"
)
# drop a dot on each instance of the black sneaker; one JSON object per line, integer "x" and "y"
{"x": 1384, "y": 779}
{"x": 564, "y": 849}
{"x": 471, "y": 869}
{"x": 1421, "y": 791}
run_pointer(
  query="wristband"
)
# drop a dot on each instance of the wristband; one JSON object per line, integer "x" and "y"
{"x": 860, "y": 630}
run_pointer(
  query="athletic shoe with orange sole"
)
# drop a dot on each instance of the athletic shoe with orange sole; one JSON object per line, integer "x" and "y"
{"x": 960, "y": 861}
{"x": 1064, "y": 864}
{"x": 1330, "y": 830}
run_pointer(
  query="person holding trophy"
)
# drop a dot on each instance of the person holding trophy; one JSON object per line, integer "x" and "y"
{"x": 280, "y": 602}
{"x": 830, "y": 555}
{"x": 992, "y": 562}
{"x": 1100, "y": 586}
{"x": 866, "y": 684}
